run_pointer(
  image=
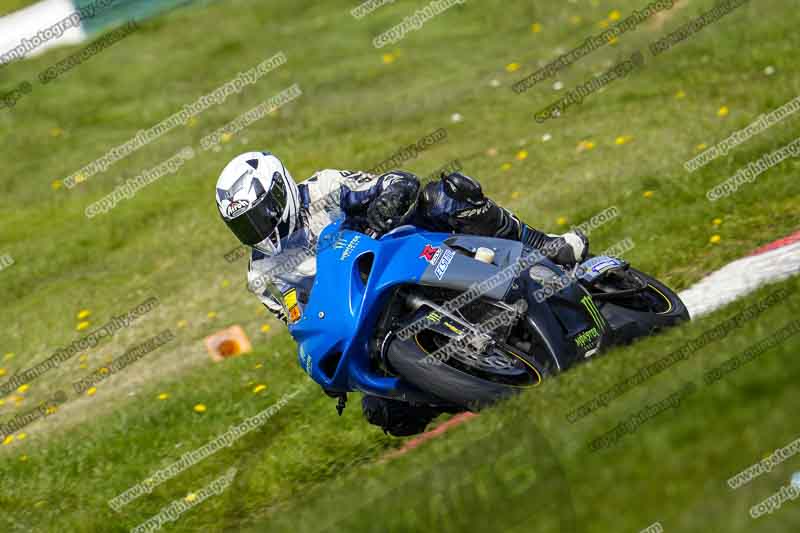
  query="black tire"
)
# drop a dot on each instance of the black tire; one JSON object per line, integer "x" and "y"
{"x": 451, "y": 384}
{"x": 628, "y": 322}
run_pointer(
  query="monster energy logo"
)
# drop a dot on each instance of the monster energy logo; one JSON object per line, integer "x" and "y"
{"x": 433, "y": 316}
{"x": 593, "y": 311}
{"x": 586, "y": 337}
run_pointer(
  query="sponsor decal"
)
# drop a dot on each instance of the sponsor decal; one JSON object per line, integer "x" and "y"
{"x": 290, "y": 298}
{"x": 452, "y": 328}
{"x": 602, "y": 266}
{"x": 236, "y": 208}
{"x": 290, "y": 301}
{"x": 444, "y": 263}
{"x": 466, "y": 213}
{"x": 586, "y": 338}
{"x": 594, "y": 312}
{"x": 348, "y": 249}
{"x": 305, "y": 360}
{"x": 429, "y": 252}
{"x": 433, "y": 316}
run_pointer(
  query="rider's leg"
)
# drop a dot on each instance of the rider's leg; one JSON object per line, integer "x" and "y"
{"x": 457, "y": 203}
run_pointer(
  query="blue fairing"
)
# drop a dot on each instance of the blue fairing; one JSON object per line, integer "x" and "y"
{"x": 334, "y": 330}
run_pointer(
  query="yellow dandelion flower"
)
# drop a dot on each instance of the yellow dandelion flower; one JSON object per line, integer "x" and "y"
{"x": 225, "y": 283}
{"x": 2, "y": 371}
{"x": 259, "y": 388}
{"x": 612, "y": 40}
{"x": 2, "y": 402}
{"x": 192, "y": 122}
{"x": 522, "y": 155}
{"x": 190, "y": 497}
{"x": 603, "y": 24}
{"x": 258, "y": 365}
{"x": 83, "y": 357}
{"x": 512, "y": 67}
{"x": 562, "y": 221}
{"x": 22, "y": 436}
{"x": 8, "y": 356}
{"x": 80, "y": 178}
{"x": 51, "y": 410}
{"x": 83, "y": 365}
{"x": 18, "y": 400}
{"x": 536, "y": 27}
{"x": 226, "y": 137}
{"x": 680, "y": 94}
{"x": 199, "y": 408}
{"x": 8, "y": 440}
{"x": 56, "y": 132}
{"x": 163, "y": 396}
{"x": 700, "y": 147}
{"x": 23, "y": 388}
{"x": 265, "y": 328}
{"x": 623, "y": 139}
{"x": 648, "y": 194}
{"x": 83, "y": 314}
{"x": 83, "y": 325}
{"x": 717, "y": 221}
{"x": 515, "y": 195}
{"x": 586, "y": 145}
{"x": 614, "y": 15}
{"x": 104, "y": 370}
{"x": 388, "y": 58}
{"x": 715, "y": 239}
{"x": 56, "y": 184}
{"x": 23, "y": 458}
{"x": 212, "y": 314}
{"x": 182, "y": 323}
{"x": 723, "y": 111}
{"x": 91, "y": 391}
{"x": 505, "y": 166}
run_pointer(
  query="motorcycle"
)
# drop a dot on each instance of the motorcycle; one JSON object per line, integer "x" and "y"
{"x": 449, "y": 323}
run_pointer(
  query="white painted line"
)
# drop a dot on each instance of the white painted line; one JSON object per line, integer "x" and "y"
{"x": 740, "y": 278}
{"x": 27, "y": 22}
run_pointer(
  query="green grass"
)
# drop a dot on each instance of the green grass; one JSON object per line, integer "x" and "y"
{"x": 9, "y": 6}
{"x": 356, "y": 110}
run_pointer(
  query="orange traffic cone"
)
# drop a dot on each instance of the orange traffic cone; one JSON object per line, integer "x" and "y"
{"x": 228, "y": 343}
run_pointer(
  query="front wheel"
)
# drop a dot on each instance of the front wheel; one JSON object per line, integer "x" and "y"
{"x": 636, "y": 304}
{"x": 465, "y": 378}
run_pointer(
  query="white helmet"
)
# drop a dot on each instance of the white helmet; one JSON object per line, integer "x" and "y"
{"x": 258, "y": 200}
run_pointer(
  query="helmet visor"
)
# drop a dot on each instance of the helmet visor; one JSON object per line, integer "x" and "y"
{"x": 261, "y": 219}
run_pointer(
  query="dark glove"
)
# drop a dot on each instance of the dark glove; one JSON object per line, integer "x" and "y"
{"x": 391, "y": 209}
